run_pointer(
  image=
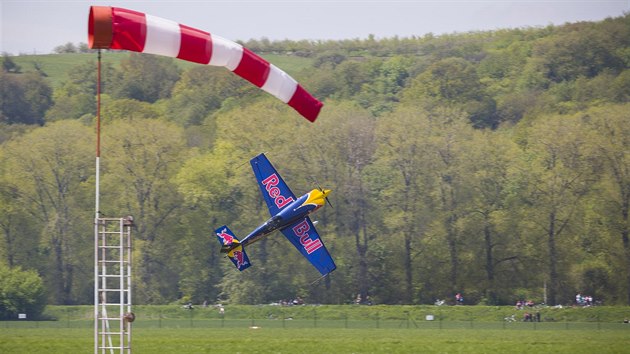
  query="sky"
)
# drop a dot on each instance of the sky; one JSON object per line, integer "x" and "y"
{"x": 38, "y": 26}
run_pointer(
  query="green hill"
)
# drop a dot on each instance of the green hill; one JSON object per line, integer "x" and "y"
{"x": 57, "y": 66}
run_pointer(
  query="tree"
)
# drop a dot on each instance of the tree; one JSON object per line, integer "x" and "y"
{"x": 560, "y": 174}
{"x": 146, "y": 77}
{"x": 8, "y": 65}
{"x": 581, "y": 49}
{"x": 388, "y": 79}
{"x": 24, "y": 99}
{"x": 451, "y": 132}
{"x": 353, "y": 76}
{"x": 487, "y": 218}
{"x": 612, "y": 125}
{"x": 69, "y": 47}
{"x": 201, "y": 92}
{"x": 214, "y": 195}
{"x": 76, "y": 96}
{"x": 128, "y": 110}
{"x": 49, "y": 168}
{"x": 140, "y": 159}
{"x": 21, "y": 291}
{"x": 19, "y": 242}
{"x": 454, "y": 82}
{"x": 404, "y": 160}
{"x": 353, "y": 143}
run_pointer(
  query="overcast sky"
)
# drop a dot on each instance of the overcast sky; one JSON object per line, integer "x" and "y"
{"x": 38, "y": 26}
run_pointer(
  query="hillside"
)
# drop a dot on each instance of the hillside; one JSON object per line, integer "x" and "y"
{"x": 57, "y": 66}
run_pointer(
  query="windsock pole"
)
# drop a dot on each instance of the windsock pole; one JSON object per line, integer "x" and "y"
{"x": 98, "y": 133}
{"x": 97, "y": 197}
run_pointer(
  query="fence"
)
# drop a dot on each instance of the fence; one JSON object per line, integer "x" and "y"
{"x": 282, "y": 319}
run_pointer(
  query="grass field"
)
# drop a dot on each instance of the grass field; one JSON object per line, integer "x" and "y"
{"x": 323, "y": 340}
{"x": 332, "y": 329}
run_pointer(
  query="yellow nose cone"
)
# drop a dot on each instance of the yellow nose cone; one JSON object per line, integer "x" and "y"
{"x": 318, "y": 197}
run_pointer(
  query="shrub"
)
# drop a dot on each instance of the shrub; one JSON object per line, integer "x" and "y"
{"x": 21, "y": 291}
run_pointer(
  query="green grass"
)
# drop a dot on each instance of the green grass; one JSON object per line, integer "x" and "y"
{"x": 57, "y": 66}
{"x": 332, "y": 329}
{"x": 323, "y": 340}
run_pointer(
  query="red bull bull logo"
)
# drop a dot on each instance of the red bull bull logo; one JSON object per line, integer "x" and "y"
{"x": 227, "y": 238}
{"x": 239, "y": 257}
{"x": 301, "y": 231}
{"x": 270, "y": 184}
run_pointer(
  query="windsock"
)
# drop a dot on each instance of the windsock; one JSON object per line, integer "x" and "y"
{"x": 118, "y": 28}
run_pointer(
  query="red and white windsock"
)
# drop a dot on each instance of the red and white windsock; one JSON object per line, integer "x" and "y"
{"x": 118, "y": 28}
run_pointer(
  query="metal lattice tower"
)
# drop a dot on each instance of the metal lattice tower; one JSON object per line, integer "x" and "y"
{"x": 112, "y": 285}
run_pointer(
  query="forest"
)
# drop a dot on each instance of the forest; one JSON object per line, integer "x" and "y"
{"x": 494, "y": 164}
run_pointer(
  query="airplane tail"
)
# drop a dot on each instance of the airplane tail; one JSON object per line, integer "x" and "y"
{"x": 232, "y": 246}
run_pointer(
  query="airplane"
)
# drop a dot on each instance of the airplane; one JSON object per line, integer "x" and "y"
{"x": 289, "y": 214}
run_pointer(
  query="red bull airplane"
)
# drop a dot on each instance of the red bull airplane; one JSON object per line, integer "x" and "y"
{"x": 289, "y": 214}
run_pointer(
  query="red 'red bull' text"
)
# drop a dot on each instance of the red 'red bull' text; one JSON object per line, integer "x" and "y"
{"x": 301, "y": 231}
{"x": 270, "y": 184}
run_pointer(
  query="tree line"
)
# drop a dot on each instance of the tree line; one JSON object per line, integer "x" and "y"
{"x": 493, "y": 164}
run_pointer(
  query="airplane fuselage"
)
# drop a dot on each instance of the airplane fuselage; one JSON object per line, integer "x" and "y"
{"x": 296, "y": 210}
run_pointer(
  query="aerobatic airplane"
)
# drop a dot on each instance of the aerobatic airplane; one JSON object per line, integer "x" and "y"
{"x": 289, "y": 214}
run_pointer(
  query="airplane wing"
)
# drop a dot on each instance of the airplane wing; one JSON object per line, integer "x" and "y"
{"x": 276, "y": 193}
{"x": 304, "y": 237}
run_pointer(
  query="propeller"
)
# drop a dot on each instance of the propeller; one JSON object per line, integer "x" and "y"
{"x": 322, "y": 190}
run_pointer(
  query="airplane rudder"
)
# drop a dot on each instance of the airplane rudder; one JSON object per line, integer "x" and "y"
{"x": 225, "y": 235}
{"x": 239, "y": 258}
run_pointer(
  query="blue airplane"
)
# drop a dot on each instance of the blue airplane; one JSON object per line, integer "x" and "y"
{"x": 289, "y": 214}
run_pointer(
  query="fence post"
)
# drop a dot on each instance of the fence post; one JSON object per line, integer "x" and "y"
{"x": 284, "y": 319}
{"x": 346, "y": 319}
{"x": 377, "y": 321}
{"x": 315, "y": 317}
